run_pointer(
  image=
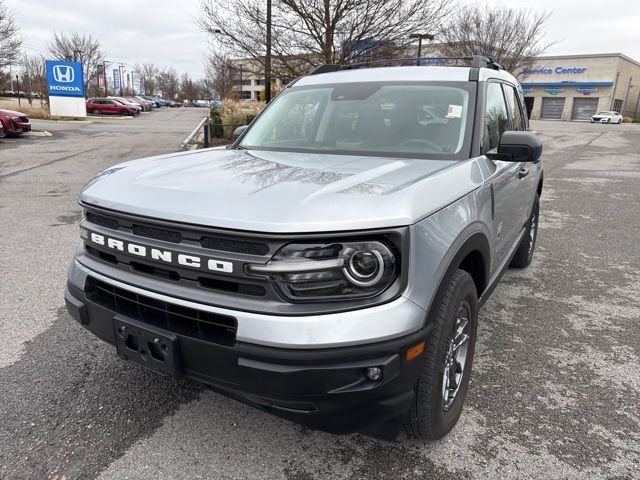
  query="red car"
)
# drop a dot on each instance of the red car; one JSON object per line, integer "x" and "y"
{"x": 109, "y": 106}
{"x": 14, "y": 123}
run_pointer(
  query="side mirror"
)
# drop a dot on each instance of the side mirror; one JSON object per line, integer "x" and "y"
{"x": 239, "y": 131}
{"x": 516, "y": 146}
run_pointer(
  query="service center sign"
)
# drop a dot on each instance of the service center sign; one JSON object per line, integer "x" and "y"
{"x": 65, "y": 79}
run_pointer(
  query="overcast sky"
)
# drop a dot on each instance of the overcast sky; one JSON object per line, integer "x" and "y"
{"x": 163, "y": 32}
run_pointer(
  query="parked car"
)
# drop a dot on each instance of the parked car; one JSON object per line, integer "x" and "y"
{"x": 328, "y": 267}
{"x": 110, "y": 106}
{"x": 161, "y": 102}
{"x": 153, "y": 100}
{"x": 14, "y": 123}
{"x": 144, "y": 105}
{"x": 124, "y": 101}
{"x": 1, "y": 130}
{"x": 607, "y": 117}
{"x": 148, "y": 104}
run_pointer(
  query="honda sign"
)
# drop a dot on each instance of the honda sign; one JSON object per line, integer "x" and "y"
{"x": 65, "y": 79}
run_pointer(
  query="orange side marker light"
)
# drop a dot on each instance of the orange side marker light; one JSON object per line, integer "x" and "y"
{"x": 416, "y": 351}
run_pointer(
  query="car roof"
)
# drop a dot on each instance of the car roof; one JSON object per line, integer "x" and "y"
{"x": 407, "y": 73}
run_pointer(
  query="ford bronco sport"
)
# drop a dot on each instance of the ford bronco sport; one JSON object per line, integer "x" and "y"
{"x": 329, "y": 266}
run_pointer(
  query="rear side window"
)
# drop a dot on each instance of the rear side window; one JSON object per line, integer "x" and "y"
{"x": 496, "y": 118}
{"x": 513, "y": 101}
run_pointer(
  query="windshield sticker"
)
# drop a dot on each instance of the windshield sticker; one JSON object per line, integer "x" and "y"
{"x": 455, "y": 111}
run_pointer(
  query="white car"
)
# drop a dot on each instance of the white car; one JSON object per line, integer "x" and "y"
{"x": 606, "y": 117}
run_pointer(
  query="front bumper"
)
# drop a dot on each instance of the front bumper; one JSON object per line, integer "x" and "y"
{"x": 324, "y": 388}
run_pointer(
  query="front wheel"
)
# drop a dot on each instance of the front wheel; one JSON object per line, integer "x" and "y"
{"x": 444, "y": 379}
{"x": 524, "y": 253}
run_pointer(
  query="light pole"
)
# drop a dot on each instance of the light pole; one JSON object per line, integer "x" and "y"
{"x": 121, "y": 70}
{"x": 267, "y": 59}
{"x": 104, "y": 76}
{"x": 133, "y": 83}
{"x": 420, "y": 36}
{"x": 626, "y": 97}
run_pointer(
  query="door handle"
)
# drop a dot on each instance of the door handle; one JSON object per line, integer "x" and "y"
{"x": 523, "y": 172}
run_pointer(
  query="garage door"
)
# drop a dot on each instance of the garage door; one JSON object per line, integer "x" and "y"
{"x": 583, "y": 108}
{"x": 552, "y": 108}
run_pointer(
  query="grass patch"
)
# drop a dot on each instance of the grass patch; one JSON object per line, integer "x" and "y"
{"x": 38, "y": 113}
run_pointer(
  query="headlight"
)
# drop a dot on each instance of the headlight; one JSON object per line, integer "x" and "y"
{"x": 333, "y": 271}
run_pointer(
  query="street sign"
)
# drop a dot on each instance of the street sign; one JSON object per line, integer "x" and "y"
{"x": 64, "y": 79}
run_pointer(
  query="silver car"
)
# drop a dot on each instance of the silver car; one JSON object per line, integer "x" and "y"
{"x": 329, "y": 266}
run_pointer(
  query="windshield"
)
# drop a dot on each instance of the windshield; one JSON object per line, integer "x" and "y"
{"x": 416, "y": 120}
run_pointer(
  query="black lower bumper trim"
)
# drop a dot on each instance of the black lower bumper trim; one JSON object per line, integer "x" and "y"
{"x": 323, "y": 388}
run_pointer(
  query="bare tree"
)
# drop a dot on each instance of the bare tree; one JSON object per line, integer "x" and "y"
{"x": 309, "y": 32}
{"x": 168, "y": 83}
{"x": 83, "y": 48}
{"x": 34, "y": 78}
{"x": 514, "y": 37}
{"x": 189, "y": 90}
{"x": 149, "y": 72}
{"x": 221, "y": 75}
{"x": 10, "y": 40}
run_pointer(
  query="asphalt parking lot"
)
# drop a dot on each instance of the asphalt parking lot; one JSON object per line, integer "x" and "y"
{"x": 555, "y": 391}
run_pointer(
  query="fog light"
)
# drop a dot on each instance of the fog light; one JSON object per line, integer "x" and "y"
{"x": 374, "y": 373}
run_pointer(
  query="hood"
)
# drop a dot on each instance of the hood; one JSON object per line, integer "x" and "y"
{"x": 282, "y": 192}
{"x": 12, "y": 113}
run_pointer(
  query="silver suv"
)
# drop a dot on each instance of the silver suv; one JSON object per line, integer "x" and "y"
{"x": 329, "y": 266}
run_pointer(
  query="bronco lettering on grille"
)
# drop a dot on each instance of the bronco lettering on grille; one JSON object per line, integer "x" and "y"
{"x": 160, "y": 255}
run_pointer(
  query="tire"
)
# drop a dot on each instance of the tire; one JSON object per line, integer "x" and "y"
{"x": 95, "y": 111}
{"x": 431, "y": 417}
{"x": 527, "y": 247}
{"x": 123, "y": 112}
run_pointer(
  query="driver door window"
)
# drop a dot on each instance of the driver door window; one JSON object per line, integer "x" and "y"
{"x": 496, "y": 117}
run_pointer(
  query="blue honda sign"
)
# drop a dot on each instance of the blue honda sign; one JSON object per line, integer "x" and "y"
{"x": 65, "y": 79}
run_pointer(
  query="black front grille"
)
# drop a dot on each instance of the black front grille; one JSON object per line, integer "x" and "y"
{"x": 224, "y": 243}
{"x": 157, "y": 233}
{"x": 103, "y": 221}
{"x": 230, "y": 244}
{"x": 230, "y": 285}
{"x": 207, "y": 326}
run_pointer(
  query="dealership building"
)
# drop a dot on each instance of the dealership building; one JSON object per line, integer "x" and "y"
{"x": 574, "y": 87}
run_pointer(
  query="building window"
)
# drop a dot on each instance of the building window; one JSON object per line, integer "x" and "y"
{"x": 246, "y": 81}
{"x": 260, "y": 81}
{"x": 617, "y": 105}
{"x": 245, "y": 95}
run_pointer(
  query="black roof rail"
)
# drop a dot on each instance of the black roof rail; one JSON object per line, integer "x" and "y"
{"x": 326, "y": 68}
{"x": 475, "y": 62}
{"x": 485, "y": 61}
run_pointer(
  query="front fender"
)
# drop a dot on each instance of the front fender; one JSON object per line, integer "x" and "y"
{"x": 440, "y": 242}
